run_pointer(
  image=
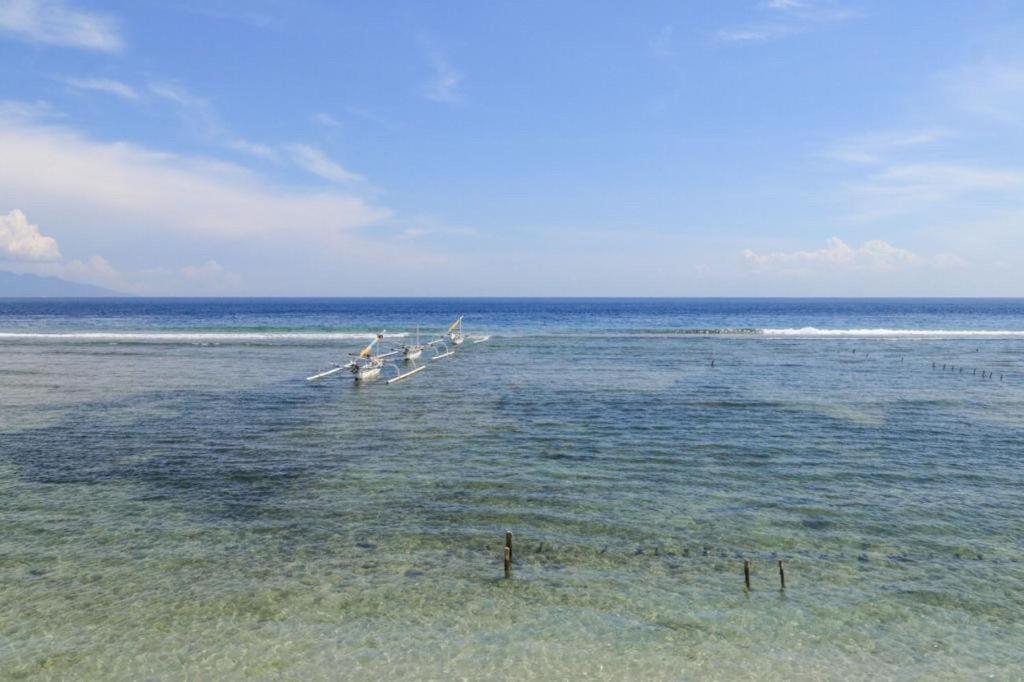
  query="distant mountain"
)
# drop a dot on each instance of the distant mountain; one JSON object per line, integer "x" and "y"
{"x": 15, "y": 285}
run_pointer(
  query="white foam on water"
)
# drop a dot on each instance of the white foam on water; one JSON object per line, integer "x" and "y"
{"x": 882, "y": 333}
{"x": 192, "y": 337}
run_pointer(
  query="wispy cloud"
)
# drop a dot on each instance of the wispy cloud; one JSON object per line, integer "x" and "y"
{"x": 906, "y": 188}
{"x": 992, "y": 88}
{"x": 54, "y": 22}
{"x": 783, "y": 18}
{"x": 324, "y": 119}
{"x": 874, "y": 254}
{"x": 260, "y": 151}
{"x": 443, "y": 85}
{"x": 106, "y": 86}
{"x": 428, "y": 227}
{"x": 877, "y": 147}
{"x": 199, "y": 114}
{"x": 196, "y": 112}
{"x": 318, "y": 163}
{"x": 758, "y": 33}
{"x": 129, "y": 185}
{"x": 20, "y": 111}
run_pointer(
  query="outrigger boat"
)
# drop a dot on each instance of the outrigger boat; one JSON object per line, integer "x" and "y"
{"x": 411, "y": 352}
{"x": 367, "y": 365}
{"x": 455, "y": 332}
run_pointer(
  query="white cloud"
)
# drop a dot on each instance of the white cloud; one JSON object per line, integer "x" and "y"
{"x": 199, "y": 114}
{"x": 443, "y": 85}
{"x": 54, "y": 22}
{"x": 757, "y": 33}
{"x": 430, "y": 230}
{"x": 993, "y": 89}
{"x": 95, "y": 270}
{"x": 316, "y": 162}
{"x": 786, "y": 18}
{"x": 875, "y": 147}
{"x": 206, "y": 279}
{"x": 19, "y": 111}
{"x": 22, "y": 241}
{"x": 120, "y": 185}
{"x": 24, "y": 249}
{"x": 260, "y": 151}
{"x": 196, "y": 112}
{"x": 326, "y": 120}
{"x": 874, "y": 254}
{"x": 104, "y": 85}
{"x": 908, "y": 187}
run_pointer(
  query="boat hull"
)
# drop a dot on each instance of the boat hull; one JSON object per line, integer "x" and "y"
{"x": 367, "y": 373}
{"x": 412, "y": 354}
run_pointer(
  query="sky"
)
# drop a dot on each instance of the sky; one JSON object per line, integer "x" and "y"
{"x": 590, "y": 148}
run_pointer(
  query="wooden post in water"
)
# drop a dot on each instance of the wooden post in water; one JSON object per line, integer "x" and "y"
{"x": 746, "y": 573}
{"x": 508, "y": 553}
{"x": 782, "y": 576}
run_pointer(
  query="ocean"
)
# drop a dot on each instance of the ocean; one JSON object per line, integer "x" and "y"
{"x": 176, "y": 501}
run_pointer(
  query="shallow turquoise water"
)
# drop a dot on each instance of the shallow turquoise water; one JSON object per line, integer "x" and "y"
{"x": 187, "y": 506}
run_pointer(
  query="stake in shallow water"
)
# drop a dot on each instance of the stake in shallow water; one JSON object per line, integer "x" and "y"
{"x": 508, "y": 554}
{"x": 746, "y": 573}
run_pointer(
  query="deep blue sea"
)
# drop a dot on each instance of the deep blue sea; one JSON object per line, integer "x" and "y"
{"x": 177, "y": 501}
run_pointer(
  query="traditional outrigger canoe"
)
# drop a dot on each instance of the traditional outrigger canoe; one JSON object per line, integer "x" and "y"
{"x": 455, "y": 332}
{"x": 368, "y": 364}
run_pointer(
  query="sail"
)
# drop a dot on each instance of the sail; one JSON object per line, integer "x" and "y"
{"x": 455, "y": 325}
{"x": 365, "y": 353}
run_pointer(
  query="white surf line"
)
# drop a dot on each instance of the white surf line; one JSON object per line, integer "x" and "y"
{"x": 894, "y": 333}
{"x": 187, "y": 336}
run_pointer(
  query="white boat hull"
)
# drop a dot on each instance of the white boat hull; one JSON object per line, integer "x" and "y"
{"x": 456, "y": 339}
{"x": 367, "y": 373}
{"x": 413, "y": 354}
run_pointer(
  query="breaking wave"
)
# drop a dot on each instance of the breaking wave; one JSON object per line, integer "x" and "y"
{"x": 894, "y": 333}
{"x": 192, "y": 337}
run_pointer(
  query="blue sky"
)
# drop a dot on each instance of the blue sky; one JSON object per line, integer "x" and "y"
{"x": 744, "y": 147}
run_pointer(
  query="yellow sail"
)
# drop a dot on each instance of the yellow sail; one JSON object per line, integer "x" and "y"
{"x": 455, "y": 325}
{"x": 365, "y": 353}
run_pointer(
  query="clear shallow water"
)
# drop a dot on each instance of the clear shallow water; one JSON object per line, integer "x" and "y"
{"x": 177, "y": 501}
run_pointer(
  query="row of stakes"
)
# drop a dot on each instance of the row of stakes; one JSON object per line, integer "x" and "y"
{"x": 975, "y": 372}
{"x": 746, "y": 565}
